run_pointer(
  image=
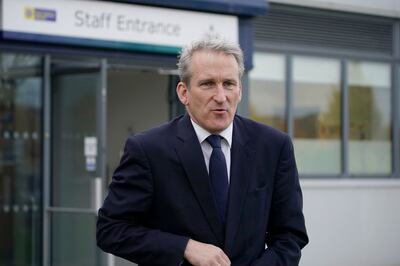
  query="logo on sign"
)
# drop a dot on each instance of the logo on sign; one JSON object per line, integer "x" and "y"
{"x": 40, "y": 14}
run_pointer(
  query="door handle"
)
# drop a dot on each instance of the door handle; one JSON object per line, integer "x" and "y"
{"x": 97, "y": 193}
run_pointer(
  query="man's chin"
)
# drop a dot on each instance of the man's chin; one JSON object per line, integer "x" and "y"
{"x": 218, "y": 127}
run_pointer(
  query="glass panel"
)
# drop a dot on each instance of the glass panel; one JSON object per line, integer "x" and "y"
{"x": 267, "y": 90}
{"x": 316, "y": 112}
{"x": 370, "y": 119}
{"x": 74, "y": 122}
{"x": 122, "y": 100}
{"x": 20, "y": 159}
{"x": 73, "y": 239}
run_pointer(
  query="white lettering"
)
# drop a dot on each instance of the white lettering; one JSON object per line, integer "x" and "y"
{"x": 151, "y": 27}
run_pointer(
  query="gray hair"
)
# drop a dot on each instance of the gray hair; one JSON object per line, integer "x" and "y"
{"x": 212, "y": 44}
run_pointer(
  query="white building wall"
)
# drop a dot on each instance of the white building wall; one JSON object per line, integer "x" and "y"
{"x": 352, "y": 222}
{"x": 390, "y": 8}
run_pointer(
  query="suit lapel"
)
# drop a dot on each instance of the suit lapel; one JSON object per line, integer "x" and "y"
{"x": 191, "y": 156}
{"x": 241, "y": 167}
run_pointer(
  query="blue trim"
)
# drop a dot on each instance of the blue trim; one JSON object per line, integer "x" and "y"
{"x": 91, "y": 43}
{"x": 246, "y": 41}
{"x": 234, "y": 7}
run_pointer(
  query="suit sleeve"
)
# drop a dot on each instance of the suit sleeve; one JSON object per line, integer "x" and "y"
{"x": 123, "y": 221}
{"x": 286, "y": 232}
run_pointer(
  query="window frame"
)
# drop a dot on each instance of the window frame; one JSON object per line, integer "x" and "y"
{"x": 344, "y": 58}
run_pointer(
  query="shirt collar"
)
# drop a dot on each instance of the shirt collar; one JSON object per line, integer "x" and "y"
{"x": 202, "y": 134}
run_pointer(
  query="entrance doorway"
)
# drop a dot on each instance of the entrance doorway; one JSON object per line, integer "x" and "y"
{"x": 73, "y": 161}
{"x": 137, "y": 100}
{"x": 63, "y": 123}
{"x": 93, "y": 108}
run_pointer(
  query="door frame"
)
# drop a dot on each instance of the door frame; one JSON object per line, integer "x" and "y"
{"x": 100, "y": 180}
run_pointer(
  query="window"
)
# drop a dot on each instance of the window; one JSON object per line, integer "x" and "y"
{"x": 317, "y": 115}
{"x": 267, "y": 90}
{"x": 370, "y": 118}
{"x": 316, "y": 107}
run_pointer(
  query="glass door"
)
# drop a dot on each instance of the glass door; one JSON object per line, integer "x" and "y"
{"x": 76, "y": 155}
{"x": 20, "y": 159}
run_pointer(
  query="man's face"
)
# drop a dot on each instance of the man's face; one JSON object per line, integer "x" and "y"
{"x": 214, "y": 91}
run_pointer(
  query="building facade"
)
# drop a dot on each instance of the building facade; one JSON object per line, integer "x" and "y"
{"x": 79, "y": 76}
{"x": 327, "y": 72}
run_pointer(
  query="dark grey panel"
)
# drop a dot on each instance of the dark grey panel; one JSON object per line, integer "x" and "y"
{"x": 317, "y": 28}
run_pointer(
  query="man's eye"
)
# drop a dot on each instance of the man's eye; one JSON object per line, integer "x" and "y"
{"x": 207, "y": 84}
{"x": 229, "y": 84}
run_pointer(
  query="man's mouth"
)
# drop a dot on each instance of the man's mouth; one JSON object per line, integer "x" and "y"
{"x": 219, "y": 110}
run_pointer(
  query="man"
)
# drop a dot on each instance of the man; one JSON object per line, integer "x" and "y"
{"x": 209, "y": 187}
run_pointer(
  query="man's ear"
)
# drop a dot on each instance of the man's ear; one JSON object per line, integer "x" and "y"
{"x": 182, "y": 92}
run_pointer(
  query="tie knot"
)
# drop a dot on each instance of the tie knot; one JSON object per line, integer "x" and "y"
{"x": 214, "y": 140}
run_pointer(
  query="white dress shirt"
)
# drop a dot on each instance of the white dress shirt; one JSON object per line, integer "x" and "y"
{"x": 226, "y": 144}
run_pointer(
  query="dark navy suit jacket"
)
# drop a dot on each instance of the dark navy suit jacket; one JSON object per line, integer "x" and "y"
{"x": 160, "y": 197}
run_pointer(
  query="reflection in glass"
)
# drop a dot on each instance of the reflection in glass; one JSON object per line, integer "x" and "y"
{"x": 267, "y": 90}
{"x": 20, "y": 159}
{"x": 316, "y": 112}
{"x": 369, "y": 108}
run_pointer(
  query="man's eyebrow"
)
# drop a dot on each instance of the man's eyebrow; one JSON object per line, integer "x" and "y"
{"x": 206, "y": 80}
{"x": 230, "y": 80}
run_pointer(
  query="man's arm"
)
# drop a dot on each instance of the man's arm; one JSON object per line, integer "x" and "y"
{"x": 286, "y": 232}
{"x": 121, "y": 224}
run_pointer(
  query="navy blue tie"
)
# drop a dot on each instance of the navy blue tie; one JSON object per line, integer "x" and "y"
{"x": 218, "y": 175}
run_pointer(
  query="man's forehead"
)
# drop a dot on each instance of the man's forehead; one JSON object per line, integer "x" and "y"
{"x": 211, "y": 58}
{"x": 210, "y": 52}
{"x": 209, "y": 74}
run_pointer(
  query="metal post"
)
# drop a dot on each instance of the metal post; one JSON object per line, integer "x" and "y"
{"x": 46, "y": 160}
{"x": 396, "y": 120}
{"x": 101, "y": 123}
{"x": 110, "y": 260}
{"x": 344, "y": 86}
{"x": 101, "y": 128}
{"x": 243, "y": 107}
{"x": 289, "y": 95}
{"x": 396, "y": 102}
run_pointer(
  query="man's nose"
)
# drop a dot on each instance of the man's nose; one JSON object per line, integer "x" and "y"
{"x": 220, "y": 94}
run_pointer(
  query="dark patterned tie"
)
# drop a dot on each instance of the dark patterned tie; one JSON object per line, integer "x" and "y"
{"x": 218, "y": 175}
